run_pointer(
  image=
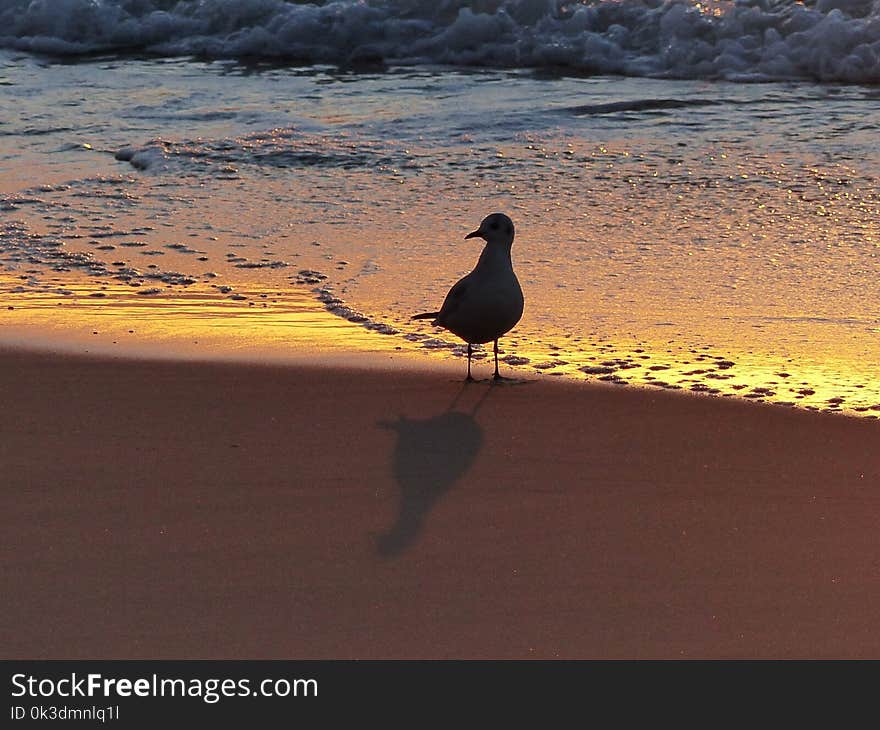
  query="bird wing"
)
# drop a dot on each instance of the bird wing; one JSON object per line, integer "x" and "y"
{"x": 453, "y": 300}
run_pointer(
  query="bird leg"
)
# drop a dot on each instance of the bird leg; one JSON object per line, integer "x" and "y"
{"x": 497, "y": 374}
{"x": 469, "y": 378}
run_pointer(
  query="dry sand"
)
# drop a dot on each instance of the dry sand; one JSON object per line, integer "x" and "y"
{"x": 189, "y": 510}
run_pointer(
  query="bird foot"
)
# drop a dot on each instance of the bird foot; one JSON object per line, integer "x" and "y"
{"x": 504, "y": 381}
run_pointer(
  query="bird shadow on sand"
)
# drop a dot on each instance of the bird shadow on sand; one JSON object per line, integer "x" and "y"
{"x": 430, "y": 456}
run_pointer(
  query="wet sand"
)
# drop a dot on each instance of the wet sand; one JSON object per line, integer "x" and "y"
{"x": 190, "y": 510}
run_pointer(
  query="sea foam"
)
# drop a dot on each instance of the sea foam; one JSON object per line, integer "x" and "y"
{"x": 751, "y": 40}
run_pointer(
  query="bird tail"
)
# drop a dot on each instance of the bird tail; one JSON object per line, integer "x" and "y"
{"x": 427, "y": 315}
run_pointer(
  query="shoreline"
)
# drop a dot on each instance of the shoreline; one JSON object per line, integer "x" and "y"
{"x": 182, "y": 509}
{"x": 301, "y": 331}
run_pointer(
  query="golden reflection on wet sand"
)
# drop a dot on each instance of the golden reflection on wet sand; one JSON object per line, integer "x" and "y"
{"x": 259, "y": 324}
{"x": 265, "y": 324}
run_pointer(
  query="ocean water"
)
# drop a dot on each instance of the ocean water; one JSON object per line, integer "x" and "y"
{"x": 694, "y": 185}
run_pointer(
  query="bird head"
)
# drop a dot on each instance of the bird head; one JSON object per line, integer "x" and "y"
{"x": 495, "y": 227}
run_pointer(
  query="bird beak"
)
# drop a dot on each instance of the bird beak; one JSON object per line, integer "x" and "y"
{"x": 475, "y": 234}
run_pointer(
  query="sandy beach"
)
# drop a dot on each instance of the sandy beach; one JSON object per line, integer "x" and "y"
{"x": 197, "y": 510}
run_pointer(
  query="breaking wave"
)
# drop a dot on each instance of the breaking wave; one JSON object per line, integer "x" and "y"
{"x": 750, "y": 40}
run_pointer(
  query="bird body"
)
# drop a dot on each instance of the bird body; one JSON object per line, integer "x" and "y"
{"x": 488, "y": 302}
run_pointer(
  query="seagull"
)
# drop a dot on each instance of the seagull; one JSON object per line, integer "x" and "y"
{"x": 488, "y": 302}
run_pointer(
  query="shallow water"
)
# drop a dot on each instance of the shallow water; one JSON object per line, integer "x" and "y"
{"x": 705, "y": 235}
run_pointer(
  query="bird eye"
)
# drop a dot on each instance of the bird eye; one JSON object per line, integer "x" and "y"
{"x": 494, "y": 225}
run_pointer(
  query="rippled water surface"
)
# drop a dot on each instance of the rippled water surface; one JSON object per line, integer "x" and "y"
{"x": 704, "y": 235}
